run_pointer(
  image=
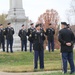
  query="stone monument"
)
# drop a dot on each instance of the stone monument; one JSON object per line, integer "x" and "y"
{"x": 16, "y": 16}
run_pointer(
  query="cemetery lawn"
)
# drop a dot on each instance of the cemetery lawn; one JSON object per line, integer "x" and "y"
{"x": 57, "y": 73}
{"x": 24, "y": 61}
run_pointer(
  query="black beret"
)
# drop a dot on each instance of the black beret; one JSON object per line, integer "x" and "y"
{"x": 50, "y": 24}
{"x": 9, "y": 23}
{"x": 41, "y": 24}
{"x": 22, "y": 25}
{"x": 68, "y": 24}
{"x": 64, "y": 23}
{"x": 37, "y": 25}
{"x": 31, "y": 23}
{"x": 0, "y": 24}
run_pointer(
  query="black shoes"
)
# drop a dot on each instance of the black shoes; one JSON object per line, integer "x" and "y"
{"x": 72, "y": 72}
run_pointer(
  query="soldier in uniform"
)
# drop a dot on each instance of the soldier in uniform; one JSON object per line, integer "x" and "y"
{"x": 2, "y": 38}
{"x": 30, "y": 31}
{"x": 23, "y": 35}
{"x": 38, "y": 39}
{"x": 42, "y": 30}
{"x": 68, "y": 26}
{"x": 66, "y": 38}
{"x": 50, "y": 37}
{"x": 9, "y": 31}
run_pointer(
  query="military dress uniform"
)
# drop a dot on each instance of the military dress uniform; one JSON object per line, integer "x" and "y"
{"x": 50, "y": 37}
{"x": 2, "y": 38}
{"x": 74, "y": 39}
{"x": 30, "y": 31}
{"x": 9, "y": 31}
{"x": 42, "y": 30}
{"x": 23, "y": 35}
{"x": 38, "y": 39}
{"x": 65, "y": 36}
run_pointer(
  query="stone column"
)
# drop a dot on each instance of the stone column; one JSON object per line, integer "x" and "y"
{"x": 16, "y": 15}
{"x": 16, "y": 4}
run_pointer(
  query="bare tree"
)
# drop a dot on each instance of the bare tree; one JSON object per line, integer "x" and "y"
{"x": 2, "y": 19}
{"x": 73, "y": 5}
{"x": 50, "y": 16}
{"x": 70, "y": 13}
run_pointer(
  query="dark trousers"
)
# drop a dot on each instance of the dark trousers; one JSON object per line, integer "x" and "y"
{"x": 31, "y": 45}
{"x": 39, "y": 54}
{"x": 9, "y": 42}
{"x": 51, "y": 45}
{"x": 24, "y": 44}
{"x": 68, "y": 57}
{"x": 2, "y": 43}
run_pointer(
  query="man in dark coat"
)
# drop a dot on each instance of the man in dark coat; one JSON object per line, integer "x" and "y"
{"x": 9, "y": 31}
{"x": 38, "y": 39}
{"x": 50, "y": 37}
{"x": 2, "y": 38}
{"x": 42, "y": 29}
{"x": 23, "y": 35}
{"x": 66, "y": 39}
{"x": 30, "y": 31}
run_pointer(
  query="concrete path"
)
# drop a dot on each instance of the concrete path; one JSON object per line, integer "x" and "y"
{"x": 28, "y": 73}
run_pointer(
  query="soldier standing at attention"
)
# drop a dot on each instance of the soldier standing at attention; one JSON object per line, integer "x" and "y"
{"x": 2, "y": 38}
{"x": 66, "y": 39}
{"x": 38, "y": 48}
{"x": 50, "y": 37}
{"x": 30, "y": 31}
{"x": 42, "y": 29}
{"x": 23, "y": 35}
{"x": 9, "y": 31}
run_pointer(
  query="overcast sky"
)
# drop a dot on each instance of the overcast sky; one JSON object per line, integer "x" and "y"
{"x": 34, "y": 8}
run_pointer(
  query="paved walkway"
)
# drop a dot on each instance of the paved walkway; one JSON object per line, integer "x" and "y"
{"x": 28, "y": 73}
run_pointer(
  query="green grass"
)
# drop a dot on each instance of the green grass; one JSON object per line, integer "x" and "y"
{"x": 24, "y": 61}
{"x": 57, "y": 73}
